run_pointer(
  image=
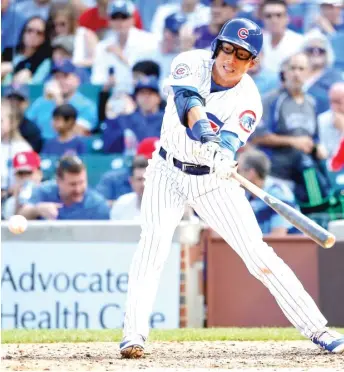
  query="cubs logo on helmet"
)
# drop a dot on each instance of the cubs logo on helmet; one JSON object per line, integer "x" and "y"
{"x": 246, "y": 120}
{"x": 243, "y": 33}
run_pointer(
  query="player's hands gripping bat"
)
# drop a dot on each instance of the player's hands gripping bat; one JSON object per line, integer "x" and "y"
{"x": 296, "y": 218}
{"x": 217, "y": 158}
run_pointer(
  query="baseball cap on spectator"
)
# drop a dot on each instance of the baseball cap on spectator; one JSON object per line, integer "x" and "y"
{"x": 120, "y": 8}
{"x": 147, "y": 146}
{"x": 26, "y": 161}
{"x": 64, "y": 42}
{"x": 17, "y": 91}
{"x": 174, "y": 22}
{"x": 66, "y": 66}
{"x": 148, "y": 82}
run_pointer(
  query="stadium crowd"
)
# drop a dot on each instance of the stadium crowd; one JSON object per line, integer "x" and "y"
{"x": 83, "y": 100}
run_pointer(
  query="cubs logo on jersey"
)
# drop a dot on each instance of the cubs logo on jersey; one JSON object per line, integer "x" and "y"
{"x": 182, "y": 70}
{"x": 246, "y": 120}
{"x": 216, "y": 125}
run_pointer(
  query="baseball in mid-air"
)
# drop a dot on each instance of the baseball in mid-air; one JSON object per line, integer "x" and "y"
{"x": 17, "y": 224}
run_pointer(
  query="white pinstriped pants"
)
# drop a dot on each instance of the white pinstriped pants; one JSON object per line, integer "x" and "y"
{"x": 224, "y": 207}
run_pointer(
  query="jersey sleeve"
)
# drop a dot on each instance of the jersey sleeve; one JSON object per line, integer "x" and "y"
{"x": 186, "y": 71}
{"x": 245, "y": 118}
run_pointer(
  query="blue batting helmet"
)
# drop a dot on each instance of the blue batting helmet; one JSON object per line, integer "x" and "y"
{"x": 242, "y": 32}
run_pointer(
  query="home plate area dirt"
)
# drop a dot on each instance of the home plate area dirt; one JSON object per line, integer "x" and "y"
{"x": 172, "y": 356}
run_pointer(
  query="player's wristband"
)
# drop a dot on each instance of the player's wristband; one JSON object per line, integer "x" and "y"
{"x": 203, "y": 132}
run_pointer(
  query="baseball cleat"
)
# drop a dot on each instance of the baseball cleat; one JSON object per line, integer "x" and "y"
{"x": 132, "y": 348}
{"x": 329, "y": 340}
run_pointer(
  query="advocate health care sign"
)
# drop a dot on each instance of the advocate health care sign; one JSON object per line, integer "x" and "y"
{"x": 78, "y": 285}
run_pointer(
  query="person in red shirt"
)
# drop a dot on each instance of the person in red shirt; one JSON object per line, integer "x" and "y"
{"x": 96, "y": 18}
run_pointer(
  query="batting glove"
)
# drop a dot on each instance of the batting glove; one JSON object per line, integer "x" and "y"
{"x": 205, "y": 153}
{"x": 224, "y": 164}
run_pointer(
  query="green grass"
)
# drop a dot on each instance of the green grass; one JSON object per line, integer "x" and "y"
{"x": 185, "y": 334}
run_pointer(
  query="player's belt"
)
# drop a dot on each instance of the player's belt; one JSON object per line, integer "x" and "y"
{"x": 188, "y": 168}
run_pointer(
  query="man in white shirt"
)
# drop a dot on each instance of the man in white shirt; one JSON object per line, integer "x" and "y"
{"x": 122, "y": 48}
{"x": 279, "y": 42}
{"x": 128, "y": 206}
{"x": 196, "y": 15}
{"x": 331, "y": 122}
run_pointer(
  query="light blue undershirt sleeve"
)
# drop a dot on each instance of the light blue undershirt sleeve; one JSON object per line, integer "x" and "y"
{"x": 230, "y": 141}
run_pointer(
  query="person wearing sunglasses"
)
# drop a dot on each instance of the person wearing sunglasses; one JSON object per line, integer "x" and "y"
{"x": 212, "y": 109}
{"x": 279, "y": 41}
{"x": 32, "y": 61}
{"x": 322, "y": 74}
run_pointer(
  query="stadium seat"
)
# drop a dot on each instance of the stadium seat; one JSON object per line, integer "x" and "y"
{"x": 48, "y": 166}
{"x": 94, "y": 143}
{"x": 98, "y": 164}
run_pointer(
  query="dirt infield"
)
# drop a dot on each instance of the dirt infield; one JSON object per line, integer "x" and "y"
{"x": 172, "y": 356}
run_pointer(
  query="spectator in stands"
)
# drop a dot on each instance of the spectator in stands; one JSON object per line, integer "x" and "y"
{"x": 265, "y": 79}
{"x": 289, "y": 134}
{"x": 66, "y": 142}
{"x": 18, "y": 97}
{"x": 145, "y": 122}
{"x": 330, "y": 19}
{"x": 27, "y": 174}
{"x": 279, "y": 41}
{"x": 321, "y": 75}
{"x": 32, "y": 60}
{"x": 64, "y": 20}
{"x": 123, "y": 48}
{"x": 331, "y": 122}
{"x": 128, "y": 206}
{"x": 221, "y": 11}
{"x": 120, "y": 103}
{"x": 255, "y": 166}
{"x": 96, "y": 18}
{"x": 169, "y": 46}
{"x": 12, "y": 141}
{"x": 197, "y": 15}
{"x": 63, "y": 89}
{"x": 115, "y": 183}
{"x": 10, "y": 30}
{"x": 66, "y": 198}
{"x": 63, "y": 50}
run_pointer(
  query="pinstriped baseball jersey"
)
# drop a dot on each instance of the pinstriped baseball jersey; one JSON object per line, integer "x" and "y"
{"x": 222, "y": 204}
{"x": 236, "y": 110}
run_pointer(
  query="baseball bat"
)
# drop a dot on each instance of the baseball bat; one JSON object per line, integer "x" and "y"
{"x": 317, "y": 233}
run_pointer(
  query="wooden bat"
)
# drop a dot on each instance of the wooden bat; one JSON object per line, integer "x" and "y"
{"x": 296, "y": 218}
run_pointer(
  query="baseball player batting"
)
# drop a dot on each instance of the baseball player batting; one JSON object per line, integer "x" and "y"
{"x": 214, "y": 108}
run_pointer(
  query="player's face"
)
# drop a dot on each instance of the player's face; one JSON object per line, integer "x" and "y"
{"x": 296, "y": 72}
{"x": 231, "y": 63}
{"x": 72, "y": 186}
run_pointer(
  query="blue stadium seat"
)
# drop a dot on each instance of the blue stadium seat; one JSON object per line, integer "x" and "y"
{"x": 94, "y": 143}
